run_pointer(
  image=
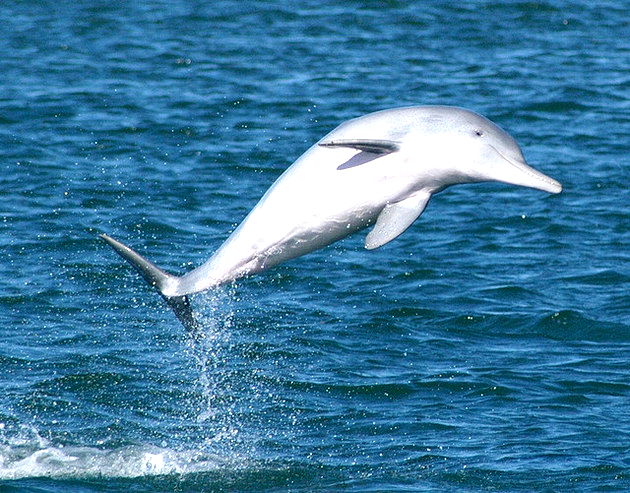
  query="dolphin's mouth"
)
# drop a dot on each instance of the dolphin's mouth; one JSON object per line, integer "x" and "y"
{"x": 528, "y": 176}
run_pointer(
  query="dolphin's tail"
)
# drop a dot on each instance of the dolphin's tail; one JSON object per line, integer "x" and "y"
{"x": 162, "y": 281}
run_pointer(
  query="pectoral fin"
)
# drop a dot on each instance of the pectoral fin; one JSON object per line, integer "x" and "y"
{"x": 365, "y": 145}
{"x": 395, "y": 218}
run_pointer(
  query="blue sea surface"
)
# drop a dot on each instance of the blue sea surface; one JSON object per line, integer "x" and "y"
{"x": 485, "y": 349}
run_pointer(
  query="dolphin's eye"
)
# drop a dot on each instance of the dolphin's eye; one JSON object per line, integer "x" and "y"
{"x": 479, "y": 133}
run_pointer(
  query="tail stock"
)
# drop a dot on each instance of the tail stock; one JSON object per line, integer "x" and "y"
{"x": 161, "y": 280}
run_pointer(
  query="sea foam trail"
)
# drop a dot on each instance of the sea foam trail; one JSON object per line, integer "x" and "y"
{"x": 21, "y": 458}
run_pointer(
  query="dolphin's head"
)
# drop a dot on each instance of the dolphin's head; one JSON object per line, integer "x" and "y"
{"x": 482, "y": 151}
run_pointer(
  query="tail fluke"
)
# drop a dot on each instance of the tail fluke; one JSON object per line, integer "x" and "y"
{"x": 181, "y": 307}
{"x": 162, "y": 281}
{"x": 151, "y": 273}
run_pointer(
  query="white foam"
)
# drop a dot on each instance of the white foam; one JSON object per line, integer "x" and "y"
{"x": 29, "y": 456}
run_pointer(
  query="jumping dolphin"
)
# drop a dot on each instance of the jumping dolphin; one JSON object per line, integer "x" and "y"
{"x": 380, "y": 169}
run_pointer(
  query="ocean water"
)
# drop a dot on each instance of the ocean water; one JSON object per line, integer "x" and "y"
{"x": 486, "y": 349}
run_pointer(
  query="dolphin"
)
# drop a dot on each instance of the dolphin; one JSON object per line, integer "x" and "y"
{"x": 380, "y": 169}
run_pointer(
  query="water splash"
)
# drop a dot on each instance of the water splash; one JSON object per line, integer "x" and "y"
{"x": 219, "y": 411}
{"x": 210, "y": 347}
{"x": 241, "y": 408}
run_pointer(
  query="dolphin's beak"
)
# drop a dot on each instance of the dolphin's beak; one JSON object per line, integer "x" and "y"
{"x": 520, "y": 173}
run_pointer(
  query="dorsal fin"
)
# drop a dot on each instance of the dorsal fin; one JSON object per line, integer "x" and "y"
{"x": 365, "y": 145}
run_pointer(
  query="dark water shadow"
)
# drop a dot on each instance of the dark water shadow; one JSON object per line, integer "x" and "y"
{"x": 359, "y": 159}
